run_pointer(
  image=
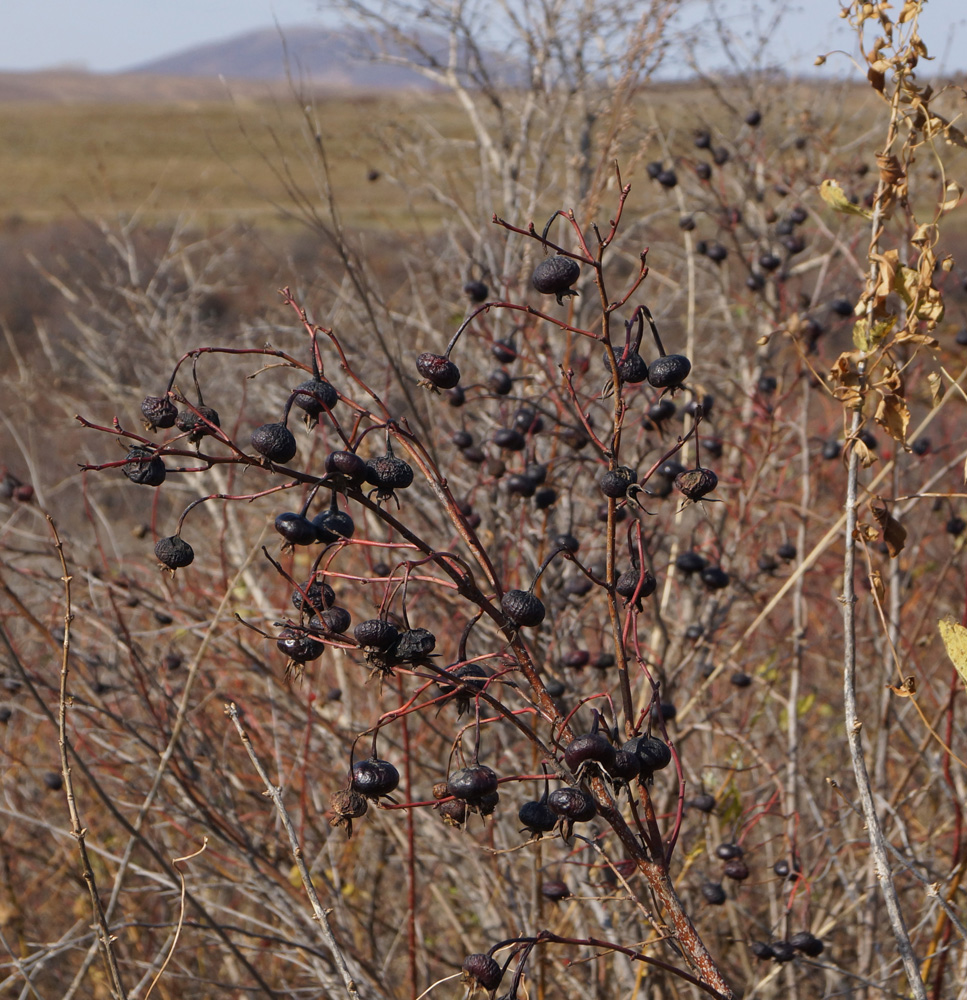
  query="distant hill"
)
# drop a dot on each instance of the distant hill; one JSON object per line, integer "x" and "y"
{"x": 327, "y": 58}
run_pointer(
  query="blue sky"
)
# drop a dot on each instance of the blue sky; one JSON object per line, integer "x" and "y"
{"x": 108, "y": 35}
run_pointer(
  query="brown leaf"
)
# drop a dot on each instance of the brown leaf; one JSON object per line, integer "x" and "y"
{"x": 936, "y": 388}
{"x": 894, "y": 534}
{"x": 876, "y": 584}
{"x": 865, "y": 455}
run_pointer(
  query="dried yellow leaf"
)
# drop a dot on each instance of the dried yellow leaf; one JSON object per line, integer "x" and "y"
{"x": 835, "y": 197}
{"x": 955, "y": 642}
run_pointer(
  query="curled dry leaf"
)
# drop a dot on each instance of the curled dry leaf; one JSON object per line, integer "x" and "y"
{"x": 894, "y": 534}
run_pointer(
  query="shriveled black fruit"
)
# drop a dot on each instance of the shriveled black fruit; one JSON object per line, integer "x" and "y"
{"x": 474, "y": 455}
{"x": 495, "y": 467}
{"x": 632, "y": 368}
{"x": 615, "y": 482}
{"x": 576, "y": 659}
{"x": 197, "y": 425}
{"x": 728, "y": 850}
{"x": 667, "y": 178}
{"x": 696, "y": 483}
{"x": 528, "y": 421}
{"x": 476, "y": 291}
{"x": 567, "y": 542}
{"x": 523, "y": 608}
{"x": 555, "y": 890}
{"x": 473, "y": 676}
{"x": 762, "y": 950}
{"x": 716, "y": 252}
{"x": 654, "y": 754}
{"x": 694, "y": 631}
{"x": 500, "y": 382}
{"x": 275, "y": 442}
{"x": 687, "y": 222}
{"x": 320, "y": 596}
{"x": 700, "y": 407}
{"x": 783, "y": 951}
{"x": 713, "y": 446}
{"x": 295, "y": 528}
{"x": 782, "y": 868}
{"x": 786, "y": 551}
{"x": 453, "y": 812}
{"x": 703, "y": 802}
{"x": 808, "y": 944}
{"x": 578, "y": 586}
{"x": 537, "y": 817}
{"x": 484, "y": 970}
{"x": 174, "y": 552}
{"x": 555, "y": 687}
{"x": 572, "y": 804}
{"x": 438, "y": 370}
{"x": 715, "y": 578}
{"x": 625, "y": 767}
{"x": 388, "y": 473}
{"x": 603, "y": 661}
{"x": 472, "y": 783}
{"x": 504, "y": 351}
{"x": 703, "y": 140}
{"x": 509, "y": 439}
{"x": 736, "y": 869}
{"x": 669, "y": 371}
{"x": 720, "y": 156}
{"x": 53, "y": 780}
{"x": 753, "y": 118}
{"x": 332, "y": 524}
{"x": 144, "y": 467}
{"x": 345, "y": 469}
{"x": 690, "y": 561}
{"x": 462, "y": 438}
{"x": 841, "y": 307}
{"x": 627, "y": 583}
{"x": 767, "y": 385}
{"x": 487, "y": 804}
{"x": 658, "y": 413}
{"x": 545, "y": 498}
{"x": 520, "y": 485}
{"x": 654, "y": 168}
{"x": 346, "y": 805}
{"x": 769, "y": 261}
{"x": 299, "y": 646}
{"x": 374, "y": 777}
{"x": 456, "y": 397}
{"x": 375, "y": 633}
{"x": 315, "y": 396}
{"x": 714, "y": 893}
{"x": 575, "y": 437}
{"x": 334, "y": 619}
{"x": 955, "y": 526}
{"x": 671, "y": 468}
{"x": 589, "y": 748}
{"x": 921, "y": 446}
{"x": 659, "y": 486}
{"x": 413, "y": 645}
{"x": 555, "y": 275}
{"x": 755, "y": 282}
{"x": 740, "y": 679}
{"x": 158, "y": 411}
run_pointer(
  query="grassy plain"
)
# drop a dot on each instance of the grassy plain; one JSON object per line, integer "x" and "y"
{"x": 235, "y": 159}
